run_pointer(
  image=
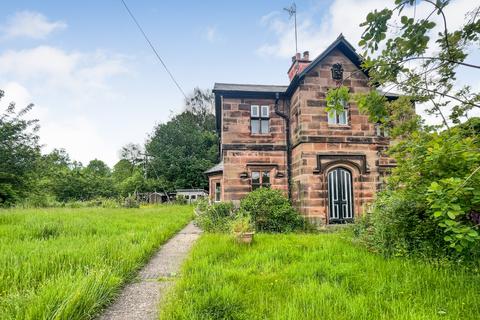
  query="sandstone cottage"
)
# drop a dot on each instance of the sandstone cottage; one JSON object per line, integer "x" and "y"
{"x": 329, "y": 164}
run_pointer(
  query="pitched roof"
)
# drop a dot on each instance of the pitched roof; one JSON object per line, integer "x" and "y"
{"x": 273, "y": 91}
{"x": 341, "y": 44}
{"x": 215, "y": 169}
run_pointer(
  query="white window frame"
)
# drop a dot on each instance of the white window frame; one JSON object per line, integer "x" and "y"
{"x": 334, "y": 118}
{"x": 219, "y": 193}
{"x": 260, "y": 113}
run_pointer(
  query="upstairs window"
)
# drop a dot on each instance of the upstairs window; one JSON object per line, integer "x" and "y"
{"x": 259, "y": 119}
{"x": 335, "y": 117}
{"x": 260, "y": 179}
{"x": 381, "y": 131}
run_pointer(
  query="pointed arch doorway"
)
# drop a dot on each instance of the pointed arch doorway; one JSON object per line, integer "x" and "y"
{"x": 340, "y": 196}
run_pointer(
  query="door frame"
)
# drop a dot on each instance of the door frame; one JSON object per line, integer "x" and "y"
{"x": 342, "y": 220}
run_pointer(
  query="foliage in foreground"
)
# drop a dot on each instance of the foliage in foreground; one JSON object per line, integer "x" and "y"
{"x": 432, "y": 202}
{"x": 69, "y": 263}
{"x": 314, "y": 277}
{"x": 268, "y": 209}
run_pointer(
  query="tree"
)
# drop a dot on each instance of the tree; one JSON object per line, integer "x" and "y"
{"x": 184, "y": 147}
{"x": 201, "y": 104}
{"x": 419, "y": 63}
{"x": 19, "y": 152}
{"x": 133, "y": 153}
{"x": 436, "y": 181}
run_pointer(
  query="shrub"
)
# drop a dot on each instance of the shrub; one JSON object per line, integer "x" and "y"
{"x": 432, "y": 200}
{"x": 397, "y": 225}
{"x": 215, "y": 217}
{"x": 242, "y": 225}
{"x": 271, "y": 211}
{"x": 180, "y": 199}
{"x": 131, "y": 202}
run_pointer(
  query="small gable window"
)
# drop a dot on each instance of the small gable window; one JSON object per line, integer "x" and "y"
{"x": 260, "y": 179}
{"x": 260, "y": 119}
{"x": 335, "y": 117}
{"x": 381, "y": 131}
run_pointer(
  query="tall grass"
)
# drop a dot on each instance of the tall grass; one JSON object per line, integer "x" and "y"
{"x": 69, "y": 263}
{"x": 315, "y": 277}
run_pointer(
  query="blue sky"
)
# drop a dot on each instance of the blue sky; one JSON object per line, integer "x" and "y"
{"x": 97, "y": 85}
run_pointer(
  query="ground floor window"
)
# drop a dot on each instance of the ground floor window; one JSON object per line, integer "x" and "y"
{"x": 260, "y": 178}
{"x": 218, "y": 192}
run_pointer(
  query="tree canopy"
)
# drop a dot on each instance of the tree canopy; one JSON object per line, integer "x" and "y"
{"x": 432, "y": 200}
{"x": 180, "y": 150}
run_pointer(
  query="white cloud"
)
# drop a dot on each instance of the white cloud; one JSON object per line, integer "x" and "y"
{"x": 67, "y": 88}
{"x": 29, "y": 24}
{"x": 55, "y": 69}
{"x": 211, "y": 34}
{"x": 343, "y": 16}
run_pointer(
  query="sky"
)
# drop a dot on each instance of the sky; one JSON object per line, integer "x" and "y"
{"x": 97, "y": 86}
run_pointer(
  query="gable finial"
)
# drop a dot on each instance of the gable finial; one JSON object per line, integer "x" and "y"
{"x": 292, "y": 11}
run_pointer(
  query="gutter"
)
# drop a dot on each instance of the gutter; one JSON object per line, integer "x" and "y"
{"x": 286, "y": 118}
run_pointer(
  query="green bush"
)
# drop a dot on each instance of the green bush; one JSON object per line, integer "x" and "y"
{"x": 397, "y": 225}
{"x": 431, "y": 203}
{"x": 180, "y": 199}
{"x": 131, "y": 202}
{"x": 271, "y": 211}
{"x": 216, "y": 217}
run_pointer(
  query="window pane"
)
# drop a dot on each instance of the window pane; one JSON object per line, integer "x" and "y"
{"x": 254, "y": 112}
{"x": 342, "y": 117}
{"x": 255, "y": 186}
{"x": 265, "y": 112}
{"x": 255, "y": 177}
{"x": 332, "y": 117}
{"x": 265, "y": 126}
{"x": 217, "y": 191}
{"x": 266, "y": 178}
{"x": 385, "y": 132}
{"x": 255, "y": 126}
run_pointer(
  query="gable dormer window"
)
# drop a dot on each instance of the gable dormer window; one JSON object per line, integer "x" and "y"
{"x": 335, "y": 117}
{"x": 259, "y": 119}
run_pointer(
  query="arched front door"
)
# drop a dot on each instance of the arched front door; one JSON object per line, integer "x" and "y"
{"x": 340, "y": 196}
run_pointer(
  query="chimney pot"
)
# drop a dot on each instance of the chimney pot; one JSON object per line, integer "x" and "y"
{"x": 298, "y": 56}
{"x": 306, "y": 55}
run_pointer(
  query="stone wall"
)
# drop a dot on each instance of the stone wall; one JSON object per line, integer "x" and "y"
{"x": 238, "y": 165}
{"x": 353, "y": 146}
{"x": 317, "y": 146}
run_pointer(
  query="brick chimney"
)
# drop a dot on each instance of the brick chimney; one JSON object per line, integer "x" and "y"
{"x": 299, "y": 63}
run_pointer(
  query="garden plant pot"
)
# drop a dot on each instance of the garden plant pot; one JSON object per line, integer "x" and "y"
{"x": 245, "y": 237}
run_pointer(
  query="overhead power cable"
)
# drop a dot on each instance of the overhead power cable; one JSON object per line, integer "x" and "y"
{"x": 154, "y": 50}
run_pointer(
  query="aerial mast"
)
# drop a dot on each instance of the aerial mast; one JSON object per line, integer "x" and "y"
{"x": 292, "y": 11}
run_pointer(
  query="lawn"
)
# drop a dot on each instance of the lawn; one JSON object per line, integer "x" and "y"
{"x": 307, "y": 277}
{"x": 69, "y": 263}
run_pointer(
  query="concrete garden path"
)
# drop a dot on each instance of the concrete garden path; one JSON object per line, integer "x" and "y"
{"x": 140, "y": 299}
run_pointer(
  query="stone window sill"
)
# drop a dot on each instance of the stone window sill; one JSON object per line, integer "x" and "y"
{"x": 261, "y": 135}
{"x": 339, "y": 126}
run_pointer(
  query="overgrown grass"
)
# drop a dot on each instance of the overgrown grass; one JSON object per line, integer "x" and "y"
{"x": 321, "y": 276}
{"x": 69, "y": 263}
